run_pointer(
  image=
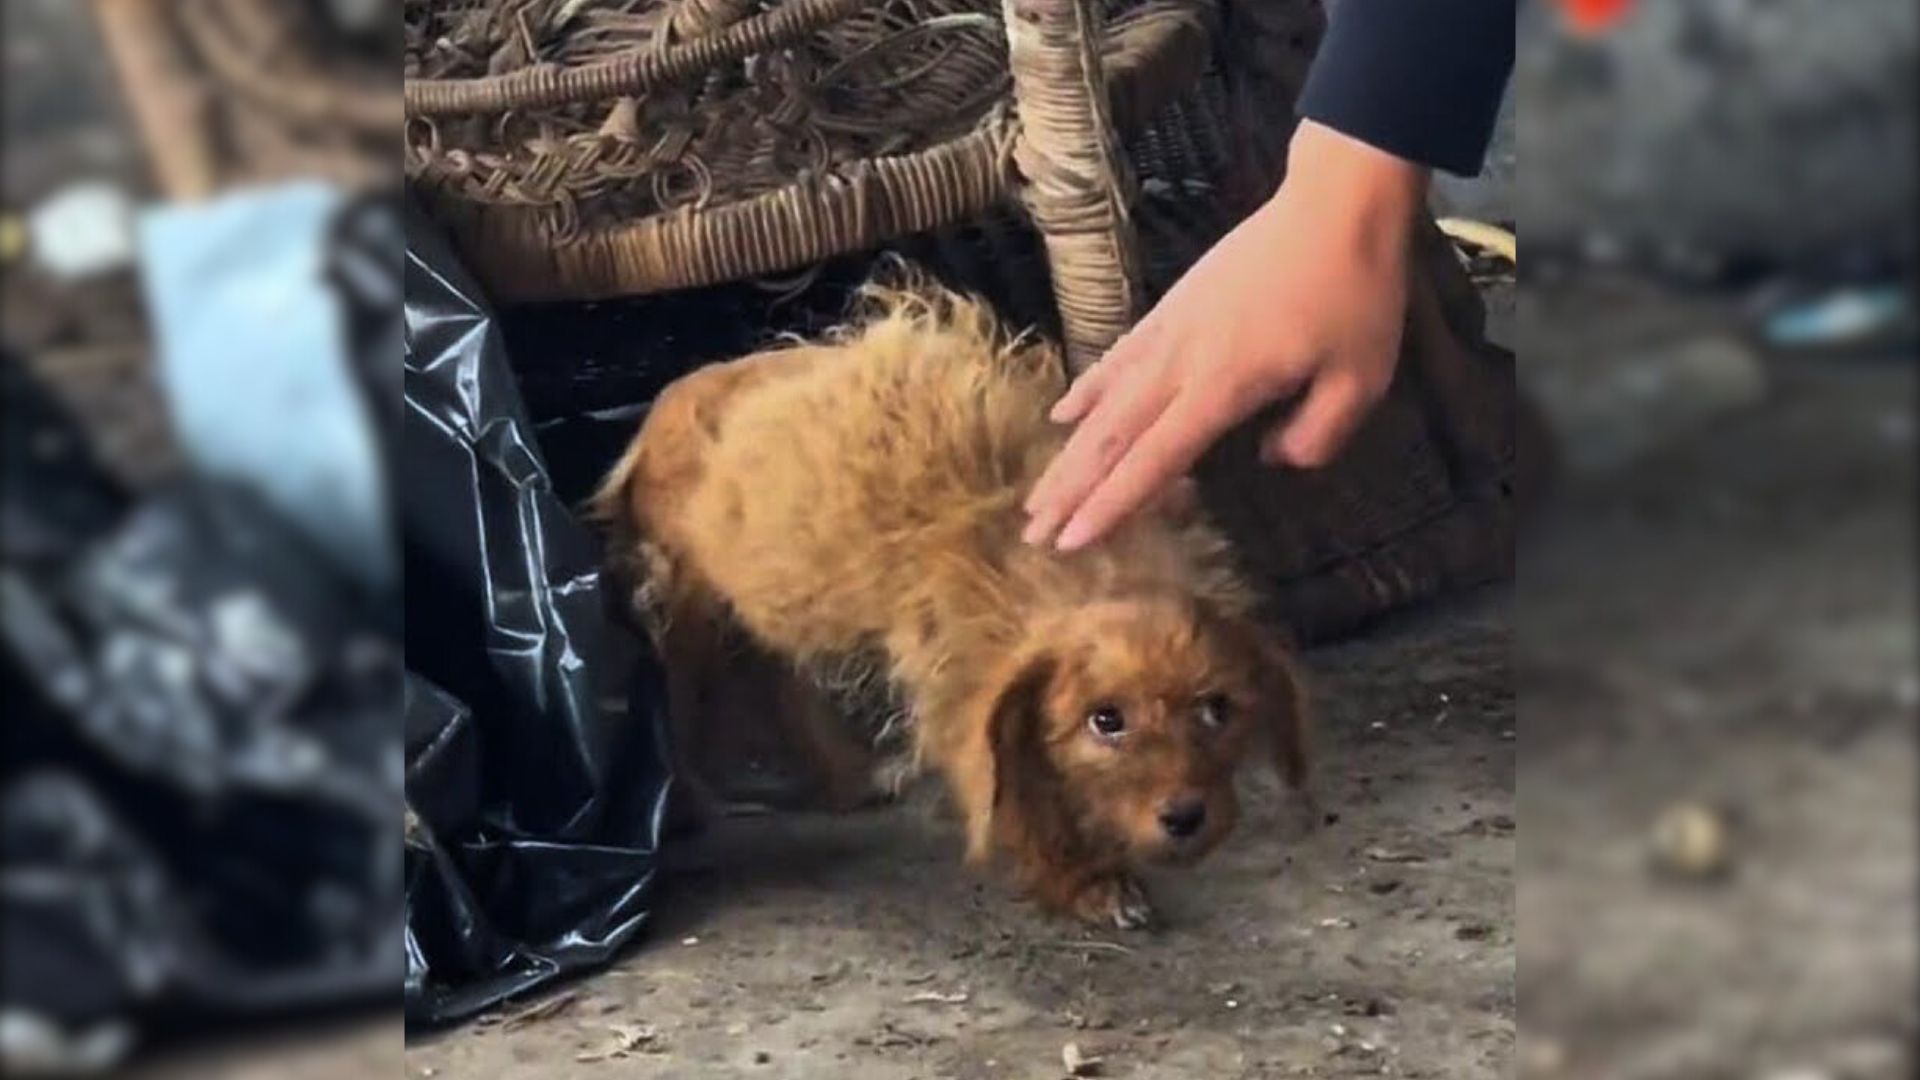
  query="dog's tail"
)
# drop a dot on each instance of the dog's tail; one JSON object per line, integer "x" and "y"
{"x": 612, "y": 504}
{"x": 636, "y": 568}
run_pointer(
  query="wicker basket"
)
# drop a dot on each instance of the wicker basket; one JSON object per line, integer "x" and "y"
{"x": 1068, "y": 158}
{"x": 583, "y": 151}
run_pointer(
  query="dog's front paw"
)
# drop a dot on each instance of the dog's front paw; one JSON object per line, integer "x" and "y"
{"x": 1114, "y": 900}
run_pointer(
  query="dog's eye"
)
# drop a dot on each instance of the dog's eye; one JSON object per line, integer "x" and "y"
{"x": 1106, "y": 721}
{"x": 1214, "y": 710}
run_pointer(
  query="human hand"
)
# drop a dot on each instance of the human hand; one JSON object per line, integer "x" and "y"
{"x": 1306, "y": 296}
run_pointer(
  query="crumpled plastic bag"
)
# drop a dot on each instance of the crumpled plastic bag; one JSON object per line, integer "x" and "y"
{"x": 200, "y": 781}
{"x": 537, "y": 782}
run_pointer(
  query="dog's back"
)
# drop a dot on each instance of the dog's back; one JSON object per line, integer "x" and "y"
{"x": 807, "y": 483}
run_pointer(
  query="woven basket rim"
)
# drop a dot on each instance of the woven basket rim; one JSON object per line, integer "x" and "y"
{"x": 1150, "y": 58}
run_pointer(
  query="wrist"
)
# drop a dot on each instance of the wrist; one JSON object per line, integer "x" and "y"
{"x": 1346, "y": 182}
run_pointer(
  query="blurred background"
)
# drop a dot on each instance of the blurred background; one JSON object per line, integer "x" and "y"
{"x": 200, "y": 792}
{"x": 1714, "y": 625}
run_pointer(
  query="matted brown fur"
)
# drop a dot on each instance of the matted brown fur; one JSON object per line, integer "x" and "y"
{"x": 861, "y": 495}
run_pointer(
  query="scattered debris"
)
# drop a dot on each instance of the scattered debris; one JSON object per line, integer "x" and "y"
{"x": 1369, "y": 1007}
{"x": 1690, "y": 841}
{"x": 1078, "y": 1062}
{"x": 627, "y": 1039}
{"x": 690, "y": 941}
{"x": 82, "y": 230}
{"x": 1473, "y": 931}
{"x": 634, "y": 1036}
{"x": 935, "y": 997}
{"x": 1337, "y": 923}
{"x": 542, "y": 1010}
{"x": 891, "y": 1035}
{"x": 1478, "y": 234}
{"x": 1090, "y": 946}
{"x": 1844, "y": 317}
{"x": 761, "y": 1057}
{"x": 1388, "y": 855}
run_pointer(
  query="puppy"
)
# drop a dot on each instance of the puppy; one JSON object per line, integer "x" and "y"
{"x": 858, "y": 499}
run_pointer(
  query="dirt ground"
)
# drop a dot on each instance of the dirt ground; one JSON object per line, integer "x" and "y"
{"x": 857, "y": 947}
{"x": 1726, "y": 621}
{"x": 1722, "y": 618}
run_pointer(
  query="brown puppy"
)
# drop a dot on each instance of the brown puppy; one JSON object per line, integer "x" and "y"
{"x": 861, "y": 498}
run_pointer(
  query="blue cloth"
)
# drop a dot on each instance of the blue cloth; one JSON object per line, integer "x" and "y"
{"x": 253, "y": 362}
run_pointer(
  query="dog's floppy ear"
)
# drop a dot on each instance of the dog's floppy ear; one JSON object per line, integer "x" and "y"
{"x": 1287, "y": 720}
{"x": 1283, "y": 712}
{"x": 1017, "y": 795}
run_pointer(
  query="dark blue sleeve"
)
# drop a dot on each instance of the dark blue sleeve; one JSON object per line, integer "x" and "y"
{"x": 1420, "y": 79}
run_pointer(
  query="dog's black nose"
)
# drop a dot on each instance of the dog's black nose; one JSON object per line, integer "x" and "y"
{"x": 1183, "y": 817}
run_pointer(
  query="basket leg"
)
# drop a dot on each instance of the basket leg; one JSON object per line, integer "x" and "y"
{"x": 1075, "y": 182}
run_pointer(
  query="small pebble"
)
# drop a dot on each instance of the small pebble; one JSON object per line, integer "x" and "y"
{"x": 1690, "y": 841}
{"x": 761, "y": 1057}
{"x": 1078, "y": 1062}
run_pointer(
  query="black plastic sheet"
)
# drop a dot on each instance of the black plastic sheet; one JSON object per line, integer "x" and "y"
{"x": 538, "y": 784}
{"x": 199, "y": 779}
